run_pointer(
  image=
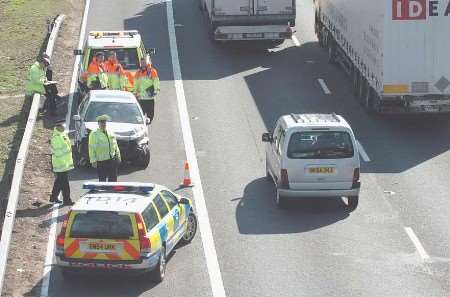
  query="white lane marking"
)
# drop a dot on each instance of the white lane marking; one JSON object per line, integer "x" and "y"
{"x": 295, "y": 40}
{"x": 52, "y": 233}
{"x": 76, "y": 66}
{"x": 209, "y": 248}
{"x": 419, "y": 247}
{"x": 362, "y": 152}
{"x": 324, "y": 86}
{"x": 50, "y": 251}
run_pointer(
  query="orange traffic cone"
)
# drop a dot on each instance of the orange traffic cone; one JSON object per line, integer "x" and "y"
{"x": 187, "y": 180}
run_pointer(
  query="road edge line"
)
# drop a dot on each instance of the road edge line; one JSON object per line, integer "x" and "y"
{"x": 362, "y": 152}
{"x": 415, "y": 240}
{"x": 55, "y": 212}
{"x": 209, "y": 249}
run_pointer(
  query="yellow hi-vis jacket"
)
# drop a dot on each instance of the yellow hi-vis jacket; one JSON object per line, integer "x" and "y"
{"x": 61, "y": 152}
{"x": 103, "y": 146}
{"x": 35, "y": 80}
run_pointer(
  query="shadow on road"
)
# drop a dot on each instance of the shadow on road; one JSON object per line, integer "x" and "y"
{"x": 257, "y": 212}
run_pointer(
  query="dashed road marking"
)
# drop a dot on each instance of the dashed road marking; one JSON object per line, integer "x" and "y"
{"x": 324, "y": 86}
{"x": 362, "y": 152}
{"x": 419, "y": 247}
{"x": 202, "y": 212}
{"x": 295, "y": 40}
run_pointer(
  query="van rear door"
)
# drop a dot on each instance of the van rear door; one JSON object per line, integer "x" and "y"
{"x": 102, "y": 235}
{"x": 321, "y": 159}
{"x": 274, "y": 7}
{"x": 232, "y": 7}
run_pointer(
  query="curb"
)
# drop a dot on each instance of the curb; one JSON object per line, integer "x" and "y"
{"x": 10, "y": 213}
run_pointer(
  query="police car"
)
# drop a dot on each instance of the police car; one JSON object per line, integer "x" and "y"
{"x": 127, "y": 122}
{"x": 124, "y": 227}
{"x": 127, "y": 45}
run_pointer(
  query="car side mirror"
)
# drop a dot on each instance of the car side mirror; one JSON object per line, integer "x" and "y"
{"x": 76, "y": 118}
{"x": 151, "y": 51}
{"x": 147, "y": 121}
{"x": 77, "y": 52}
{"x": 183, "y": 201}
{"x": 267, "y": 137}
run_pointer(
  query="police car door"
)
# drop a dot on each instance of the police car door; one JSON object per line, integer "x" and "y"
{"x": 178, "y": 214}
{"x": 166, "y": 224}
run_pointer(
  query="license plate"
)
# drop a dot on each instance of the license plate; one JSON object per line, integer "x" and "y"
{"x": 431, "y": 108}
{"x": 254, "y": 35}
{"x": 321, "y": 170}
{"x": 101, "y": 247}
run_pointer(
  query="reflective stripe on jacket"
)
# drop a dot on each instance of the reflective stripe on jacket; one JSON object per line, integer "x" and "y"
{"x": 96, "y": 71}
{"x": 35, "y": 80}
{"x": 144, "y": 81}
{"x": 61, "y": 152}
{"x": 103, "y": 146}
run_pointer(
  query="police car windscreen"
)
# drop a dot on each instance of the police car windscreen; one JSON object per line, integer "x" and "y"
{"x": 320, "y": 145}
{"x": 128, "y": 57}
{"x": 101, "y": 225}
{"x": 118, "y": 112}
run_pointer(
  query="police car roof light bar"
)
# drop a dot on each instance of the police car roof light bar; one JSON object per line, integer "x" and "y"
{"x": 119, "y": 187}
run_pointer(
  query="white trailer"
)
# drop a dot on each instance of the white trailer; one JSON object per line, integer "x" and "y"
{"x": 397, "y": 52}
{"x": 250, "y": 19}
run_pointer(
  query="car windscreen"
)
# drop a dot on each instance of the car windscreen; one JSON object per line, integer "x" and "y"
{"x": 101, "y": 224}
{"x": 118, "y": 112}
{"x": 128, "y": 57}
{"x": 320, "y": 145}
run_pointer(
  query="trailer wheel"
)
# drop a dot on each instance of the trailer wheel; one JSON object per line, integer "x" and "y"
{"x": 355, "y": 81}
{"x": 331, "y": 51}
{"x": 369, "y": 103}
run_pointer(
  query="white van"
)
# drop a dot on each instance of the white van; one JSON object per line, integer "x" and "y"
{"x": 313, "y": 155}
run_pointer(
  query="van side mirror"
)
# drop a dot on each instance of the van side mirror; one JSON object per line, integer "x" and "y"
{"x": 151, "y": 51}
{"x": 184, "y": 201}
{"x": 267, "y": 137}
{"x": 76, "y": 118}
{"x": 77, "y": 52}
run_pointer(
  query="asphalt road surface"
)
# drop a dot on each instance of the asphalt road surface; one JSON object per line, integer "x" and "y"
{"x": 317, "y": 247}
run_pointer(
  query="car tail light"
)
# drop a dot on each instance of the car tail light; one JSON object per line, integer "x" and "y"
{"x": 144, "y": 241}
{"x": 284, "y": 178}
{"x": 62, "y": 235}
{"x": 356, "y": 175}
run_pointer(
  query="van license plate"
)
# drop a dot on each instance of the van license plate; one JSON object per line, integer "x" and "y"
{"x": 321, "y": 170}
{"x": 254, "y": 35}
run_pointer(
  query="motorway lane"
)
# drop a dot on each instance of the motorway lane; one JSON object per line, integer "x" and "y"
{"x": 317, "y": 248}
{"x": 186, "y": 273}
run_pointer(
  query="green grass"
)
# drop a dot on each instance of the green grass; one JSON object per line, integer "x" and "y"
{"x": 23, "y": 28}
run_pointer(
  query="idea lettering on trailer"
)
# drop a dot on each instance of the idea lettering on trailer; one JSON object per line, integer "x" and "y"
{"x": 418, "y": 9}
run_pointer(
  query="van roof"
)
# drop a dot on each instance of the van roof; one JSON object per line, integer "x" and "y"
{"x": 315, "y": 120}
{"x": 130, "y": 202}
{"x": 114, "y": 39}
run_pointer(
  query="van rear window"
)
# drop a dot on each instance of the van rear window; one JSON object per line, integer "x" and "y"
{"x": 102, "y": 225}
{"x": 320, "y": 145}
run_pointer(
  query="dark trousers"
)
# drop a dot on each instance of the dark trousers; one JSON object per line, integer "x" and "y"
{"x": 148, "y": 107}
{"x": 107, "y": 170}
{"x": 61, "y": 185}
{"x": 50, "y": 99}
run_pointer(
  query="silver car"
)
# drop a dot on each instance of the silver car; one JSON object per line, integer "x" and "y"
{"x": 128, "y": 123}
